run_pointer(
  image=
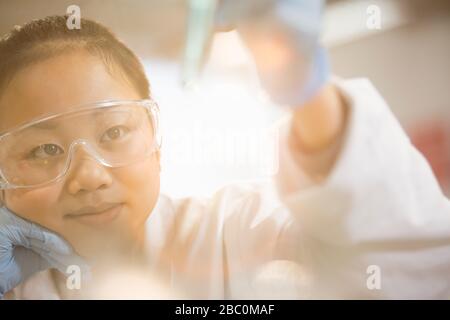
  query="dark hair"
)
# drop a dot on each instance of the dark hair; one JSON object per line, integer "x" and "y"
{"x": 44, "y": 38}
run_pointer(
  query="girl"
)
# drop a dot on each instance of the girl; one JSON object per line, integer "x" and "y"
{"x": 80, "y": 160}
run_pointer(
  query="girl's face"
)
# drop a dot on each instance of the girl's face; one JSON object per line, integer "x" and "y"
{"x": 128, "y": 193}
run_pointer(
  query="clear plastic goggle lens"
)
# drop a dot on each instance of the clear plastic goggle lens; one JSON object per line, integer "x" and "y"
{"x": 115, "y": 133}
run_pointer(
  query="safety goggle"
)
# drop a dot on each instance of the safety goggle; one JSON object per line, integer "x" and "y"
{"x": 115, "y": 133}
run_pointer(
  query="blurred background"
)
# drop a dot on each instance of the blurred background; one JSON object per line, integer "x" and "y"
{"x": 216, "y": 132}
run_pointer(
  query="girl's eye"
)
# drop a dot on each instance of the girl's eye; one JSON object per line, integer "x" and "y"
{"x": 46, "y": 150}
{"x": 114, "y": 133}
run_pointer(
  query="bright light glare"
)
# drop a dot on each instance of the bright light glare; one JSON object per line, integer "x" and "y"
{"x": 215, "y": 133}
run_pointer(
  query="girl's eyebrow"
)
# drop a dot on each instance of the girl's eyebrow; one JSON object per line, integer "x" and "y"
{"x": 52, "y": 124}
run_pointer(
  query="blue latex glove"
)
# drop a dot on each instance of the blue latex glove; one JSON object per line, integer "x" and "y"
{"x": 294, "y": 27}
{"x": 27, "y": 248}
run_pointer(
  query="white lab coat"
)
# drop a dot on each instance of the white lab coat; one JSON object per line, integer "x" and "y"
{"x": 377, "y": 227}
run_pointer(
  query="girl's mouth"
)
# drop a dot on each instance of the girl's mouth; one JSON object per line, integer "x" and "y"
{"x": 96, "y": 216}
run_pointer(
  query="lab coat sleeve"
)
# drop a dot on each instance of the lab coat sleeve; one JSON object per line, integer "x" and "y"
{"x": 380, "y": 210}
{"x": 379, "y": 225}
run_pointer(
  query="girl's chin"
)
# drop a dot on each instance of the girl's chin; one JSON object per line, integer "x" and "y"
{"x": 106, "y": 248}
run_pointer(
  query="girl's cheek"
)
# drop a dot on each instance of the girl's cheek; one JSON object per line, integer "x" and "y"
{"x": 140, "y": 177}
{"x": 40, "y": 205}
{"x": 141, "y": 182}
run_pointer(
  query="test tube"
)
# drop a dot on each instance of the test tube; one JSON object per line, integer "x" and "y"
{"x": 199, "y": 29}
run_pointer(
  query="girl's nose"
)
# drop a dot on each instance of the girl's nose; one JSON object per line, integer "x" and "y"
{"x": 87, "y": 174}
